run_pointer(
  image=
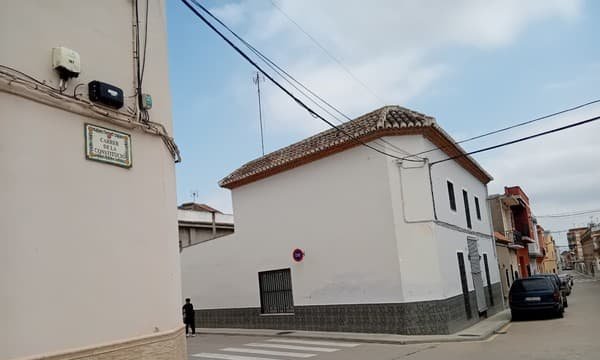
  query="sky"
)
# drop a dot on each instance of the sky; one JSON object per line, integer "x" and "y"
{"x": 475, "y": 66}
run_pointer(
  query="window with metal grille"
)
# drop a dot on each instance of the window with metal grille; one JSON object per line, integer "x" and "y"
{"x": 477, "y": 208}
{"x": 467, "y": 211}
{"x": 451, "y": 195}
{"x": 276, "y": 291}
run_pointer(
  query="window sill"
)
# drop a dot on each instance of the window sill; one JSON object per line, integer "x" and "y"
{"x": 278, "y": 314}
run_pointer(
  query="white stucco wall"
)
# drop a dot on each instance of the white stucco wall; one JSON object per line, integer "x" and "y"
{"x": 337, "y": 210}
{"x": 434, "y": 274}
{"x": 366, "y": 226}
{"x": 88, "y": 251}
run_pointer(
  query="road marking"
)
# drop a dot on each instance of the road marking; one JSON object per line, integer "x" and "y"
{"x": 270, "y": 352}
{"x": 293, "y": 347}
{"x": 310, "y": 342}
{"x": 228, "y": 357}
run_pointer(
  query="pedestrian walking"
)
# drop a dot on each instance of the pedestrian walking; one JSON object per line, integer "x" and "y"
{"x": 189, "y": 318}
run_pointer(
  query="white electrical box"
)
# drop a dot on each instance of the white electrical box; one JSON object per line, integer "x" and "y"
{"x": 66, "y": 62}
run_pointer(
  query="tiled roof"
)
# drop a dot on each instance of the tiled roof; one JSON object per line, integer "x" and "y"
{"x": 388, "y": 120}
{"x": 198, "y": 207}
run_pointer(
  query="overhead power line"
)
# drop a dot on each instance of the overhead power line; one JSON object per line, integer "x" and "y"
{"x": 574, "y": 213}
{"x": 299, "y": 86}
{"x": 520, "y": 139}
{"x": 493, "y": 132}
{"x": 329, "y": 54}
{"x": 276, "y": 83}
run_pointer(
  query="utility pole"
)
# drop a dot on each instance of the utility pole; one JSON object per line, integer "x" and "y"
{"x": 257, "y": 79}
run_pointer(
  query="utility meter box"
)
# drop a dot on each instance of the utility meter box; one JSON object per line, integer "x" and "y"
{"x": 66, "y": 62}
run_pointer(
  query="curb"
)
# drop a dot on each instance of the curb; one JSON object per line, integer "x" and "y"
{"x": 359, "y": 337}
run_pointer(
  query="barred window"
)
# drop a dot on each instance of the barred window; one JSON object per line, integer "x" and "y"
{"x": 276, "y": 291}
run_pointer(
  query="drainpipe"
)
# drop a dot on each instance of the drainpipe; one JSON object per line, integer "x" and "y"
{"x": 214, "y": 224}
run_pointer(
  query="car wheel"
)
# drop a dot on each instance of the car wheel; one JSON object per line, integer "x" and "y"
{"x": 561, "y": 313}
{"x": 515, "y": 316}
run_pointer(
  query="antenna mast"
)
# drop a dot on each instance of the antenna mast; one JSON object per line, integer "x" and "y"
{"x": 256, "y": 80}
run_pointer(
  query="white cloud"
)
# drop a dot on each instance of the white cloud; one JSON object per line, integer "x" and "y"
{"x": 390, "y": 45}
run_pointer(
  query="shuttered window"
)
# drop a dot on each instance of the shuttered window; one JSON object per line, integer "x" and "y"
{"x": 276, "y": 292}
{"x": 477, "y": 210}
{"x": 467, "y": 211}
{"x": 451, "y": 195}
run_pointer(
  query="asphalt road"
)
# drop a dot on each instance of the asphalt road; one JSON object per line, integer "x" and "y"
{"x": 576, "y": 336}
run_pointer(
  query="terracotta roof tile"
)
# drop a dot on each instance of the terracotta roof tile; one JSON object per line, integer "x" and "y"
{"x": 388, "y": 120}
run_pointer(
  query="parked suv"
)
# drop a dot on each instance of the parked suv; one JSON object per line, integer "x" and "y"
{"x": 561, "y": 286}
{"x": 566, "y": 283}
{"x": 535, "y": 294}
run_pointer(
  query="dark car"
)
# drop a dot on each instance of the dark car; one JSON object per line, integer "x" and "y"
{"x": 558, "y": 282}
{"x": 566, "y": 283}
{"x": 534, "y": 295}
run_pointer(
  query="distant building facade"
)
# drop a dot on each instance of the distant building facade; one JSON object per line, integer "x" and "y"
{"x": 590, "y": 245}
{"x": 200, "y": 222}
{"x": 574, "y": 238}
{"x": 551, "y": 261}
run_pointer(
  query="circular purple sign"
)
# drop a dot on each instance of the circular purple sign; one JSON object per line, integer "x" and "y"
{"x": 298, "y": 255}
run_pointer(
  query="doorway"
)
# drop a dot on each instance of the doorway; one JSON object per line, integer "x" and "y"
{"x": 475, "y": 260}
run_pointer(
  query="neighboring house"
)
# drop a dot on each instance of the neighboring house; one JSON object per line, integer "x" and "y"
{"x": 574, "y": 237}
{"x": 200, "y": 222}
{"x": 514, "y": 233}
{"x": 89, "y": 262}
{"x": 333, "y": 236}
{"x": 551, "y": 261}
{"x": 507, "y": 241}
{"x": 541, "y": 246}
{"x": 590, "y": 244}
{"x": 567, "y": 260}
{"x": 525, "y": 231}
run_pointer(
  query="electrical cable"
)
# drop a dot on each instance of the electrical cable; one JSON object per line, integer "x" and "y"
{"x": 281, "y": 87}
{"x": 277, "y": 69}
{"x": 519, "y": 140}
{"x": 331, "y": 56}
{"x": 493, "y": 132}
{"x": 145, "y": 42}
{"x": 574, "y": 213}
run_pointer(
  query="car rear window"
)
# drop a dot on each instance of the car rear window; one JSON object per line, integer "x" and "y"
{"x": 531, "y": 285}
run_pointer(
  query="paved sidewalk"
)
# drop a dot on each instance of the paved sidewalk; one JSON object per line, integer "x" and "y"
{"x": 480, "y": 331}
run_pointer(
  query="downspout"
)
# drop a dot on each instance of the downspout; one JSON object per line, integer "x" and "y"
{"x": 431, "y": 188}
{"x": 214, "y": 224}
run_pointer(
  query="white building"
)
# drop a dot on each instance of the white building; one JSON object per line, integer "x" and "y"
{"x": 200, "y": 222}
{"x": 89, "y": 262}
{"x": 385, "y": 247}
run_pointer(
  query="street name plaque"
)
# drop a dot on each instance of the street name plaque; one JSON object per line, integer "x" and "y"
{"x": 107, "y": 146}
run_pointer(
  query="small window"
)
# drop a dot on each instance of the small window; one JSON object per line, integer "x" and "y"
{"x": 477, "y": 208}
{"x": 276, "y": 292}
{"x": 467, "y": 211}
{"x": 451, "y": 196}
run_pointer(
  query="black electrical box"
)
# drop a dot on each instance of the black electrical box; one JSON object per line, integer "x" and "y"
{"x": 105, "y": 94}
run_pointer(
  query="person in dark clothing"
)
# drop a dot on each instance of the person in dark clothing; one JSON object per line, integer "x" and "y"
{"x": 188, "y": 317}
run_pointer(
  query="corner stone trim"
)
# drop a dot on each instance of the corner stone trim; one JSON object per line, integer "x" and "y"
{"x": 170, "y": 345}
{"x": 433, "y": 317}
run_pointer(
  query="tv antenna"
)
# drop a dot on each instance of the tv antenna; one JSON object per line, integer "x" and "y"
{"x": 194, "y": 195}
{"x": 256, "y": 80}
